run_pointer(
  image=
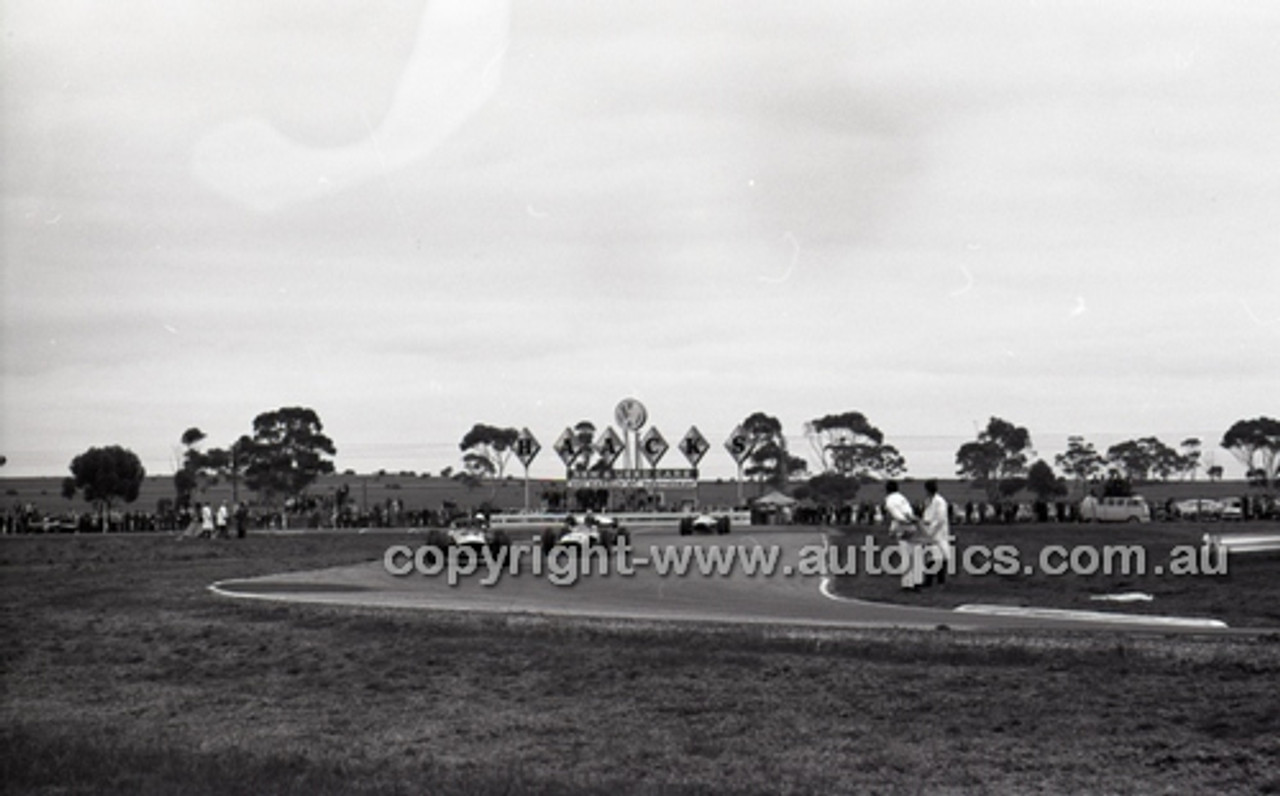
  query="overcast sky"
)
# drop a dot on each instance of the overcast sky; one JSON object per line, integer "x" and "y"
{"x": 412, "y": 217}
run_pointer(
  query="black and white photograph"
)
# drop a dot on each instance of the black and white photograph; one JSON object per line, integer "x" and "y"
{"x": 705, "y": 397}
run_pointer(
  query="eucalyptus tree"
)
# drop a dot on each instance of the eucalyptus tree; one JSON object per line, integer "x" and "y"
{"x": 1256, "y": 444}
{"x": 104, "y": 476}
{"x": 848, "y": 444}
{"x": 996, "y": 461}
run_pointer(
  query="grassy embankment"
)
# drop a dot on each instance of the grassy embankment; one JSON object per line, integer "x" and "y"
{"x": 122, "y": 674}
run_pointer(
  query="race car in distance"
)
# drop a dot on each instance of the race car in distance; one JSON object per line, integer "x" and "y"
{"x": 585, "y": 530}
{"x": 703, "y": 523}
{"x": 472, "y": 532}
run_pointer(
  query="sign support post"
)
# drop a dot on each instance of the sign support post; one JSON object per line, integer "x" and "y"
{"x": 739, "y": 446}
{"x": 653, "y": 447}
{"x": 631, "y": 416}
{"x": 694, "y": 446}
{"x": 527, "y": 448}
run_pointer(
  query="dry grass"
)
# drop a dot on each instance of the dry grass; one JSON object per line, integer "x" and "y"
{"x": 123, "y": 675}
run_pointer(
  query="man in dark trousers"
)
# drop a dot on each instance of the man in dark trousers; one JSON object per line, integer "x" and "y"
{"x": 242, "y": 520}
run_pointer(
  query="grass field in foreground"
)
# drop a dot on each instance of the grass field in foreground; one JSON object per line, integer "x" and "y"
{"x": 122, "y": 674}
{"x": 1248, "y": 595}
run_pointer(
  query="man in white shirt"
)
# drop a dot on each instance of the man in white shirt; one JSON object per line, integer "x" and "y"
{"x": 206, "y": 521}
{"x": 221, "y": 520}
{"x": 937, "y": 529}
{"x": 904, "y": 526}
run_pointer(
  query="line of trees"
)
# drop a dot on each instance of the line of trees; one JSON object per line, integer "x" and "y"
{"x": 287, "y": 451}
{"x": 851, "y": 451}
{"x": 997, "y": 460}
{"x": 284, "y": 455}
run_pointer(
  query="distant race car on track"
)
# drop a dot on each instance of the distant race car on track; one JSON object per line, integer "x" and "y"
{"x": 472, "y": 532}
{"x": 703, "y": 523}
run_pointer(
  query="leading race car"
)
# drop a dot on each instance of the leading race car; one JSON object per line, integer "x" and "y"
{"x": 703, "y": 523}
{"x": 471, "y": 532}
{"x": 585, "y": 530}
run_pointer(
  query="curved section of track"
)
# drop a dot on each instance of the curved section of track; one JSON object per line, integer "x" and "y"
{"x": 736, "y": 597}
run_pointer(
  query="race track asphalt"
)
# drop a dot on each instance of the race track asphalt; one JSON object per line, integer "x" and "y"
{"x": 799, "y": 600}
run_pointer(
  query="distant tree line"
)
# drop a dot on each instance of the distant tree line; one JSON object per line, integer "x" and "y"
{"x": 851, "y": 451}
{"x": 287, "y": 451}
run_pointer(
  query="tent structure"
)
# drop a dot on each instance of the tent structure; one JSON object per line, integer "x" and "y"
{"x": 774, "y": 499}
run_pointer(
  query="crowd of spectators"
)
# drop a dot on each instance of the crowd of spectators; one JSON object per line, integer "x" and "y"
{"x": 980, "y": 512}
{"x": 328, "y": 512}
{"x": 23, "y": 518}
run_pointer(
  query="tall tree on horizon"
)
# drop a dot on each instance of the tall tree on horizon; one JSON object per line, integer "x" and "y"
{"x": 1043, "y": 482}
{"x": 1080, "y": 461}
{"x": 287, "y": 452}
{"x": 186, "y": 478}
{"x": 769, "y": 461}
{"x": 996, "y": 461}
{"x": 848, "y": 444}
{"x": 1190, "y": 456}
{"x": 103, "y": 476}
{"x": 487, "y": 449}
{"x": 1256, "y": 445}
{"x": 1143, "y": 458}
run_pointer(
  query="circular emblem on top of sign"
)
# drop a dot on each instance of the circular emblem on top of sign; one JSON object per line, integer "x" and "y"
{"x": 631, "y": 414}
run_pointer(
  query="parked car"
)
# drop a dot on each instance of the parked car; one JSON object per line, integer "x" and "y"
{"x": 1232, "y": 509}
{"x": 60, "y": 524}
{"x": 1198, "y": 509}
{"x": 1115, "y": 509}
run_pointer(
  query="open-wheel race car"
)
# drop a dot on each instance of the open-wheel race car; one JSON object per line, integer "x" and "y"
{"x": 585, "y": 530}
{"x": 704, "y": 523}
{"x": 472, "y": 532}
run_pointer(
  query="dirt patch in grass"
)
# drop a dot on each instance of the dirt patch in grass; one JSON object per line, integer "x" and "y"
{"x": 122, "y": 674}
{"x": 1246, "y": 596}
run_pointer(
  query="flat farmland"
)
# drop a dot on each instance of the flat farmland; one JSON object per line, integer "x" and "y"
{"x": 123, "y": 674}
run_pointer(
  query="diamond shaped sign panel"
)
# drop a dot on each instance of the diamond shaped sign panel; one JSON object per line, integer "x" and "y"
{"x": 694, "y": 446}
{"x": 653, "y": 446}
{"x": 609, "y": 446}
{"x": 567, "y": 446}
{"x": 526, "y": 447}
{"x": 738, "y": 444}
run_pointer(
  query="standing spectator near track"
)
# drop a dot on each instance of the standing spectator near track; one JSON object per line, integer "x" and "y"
{"x": 206, "y": 520}
{"x": 191, "y": 516}
{"x": 242, "y": 519}
{"x": 904, "y": 526}
{"x": 221, "y": 521}
{"x": 937, "y": 527}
